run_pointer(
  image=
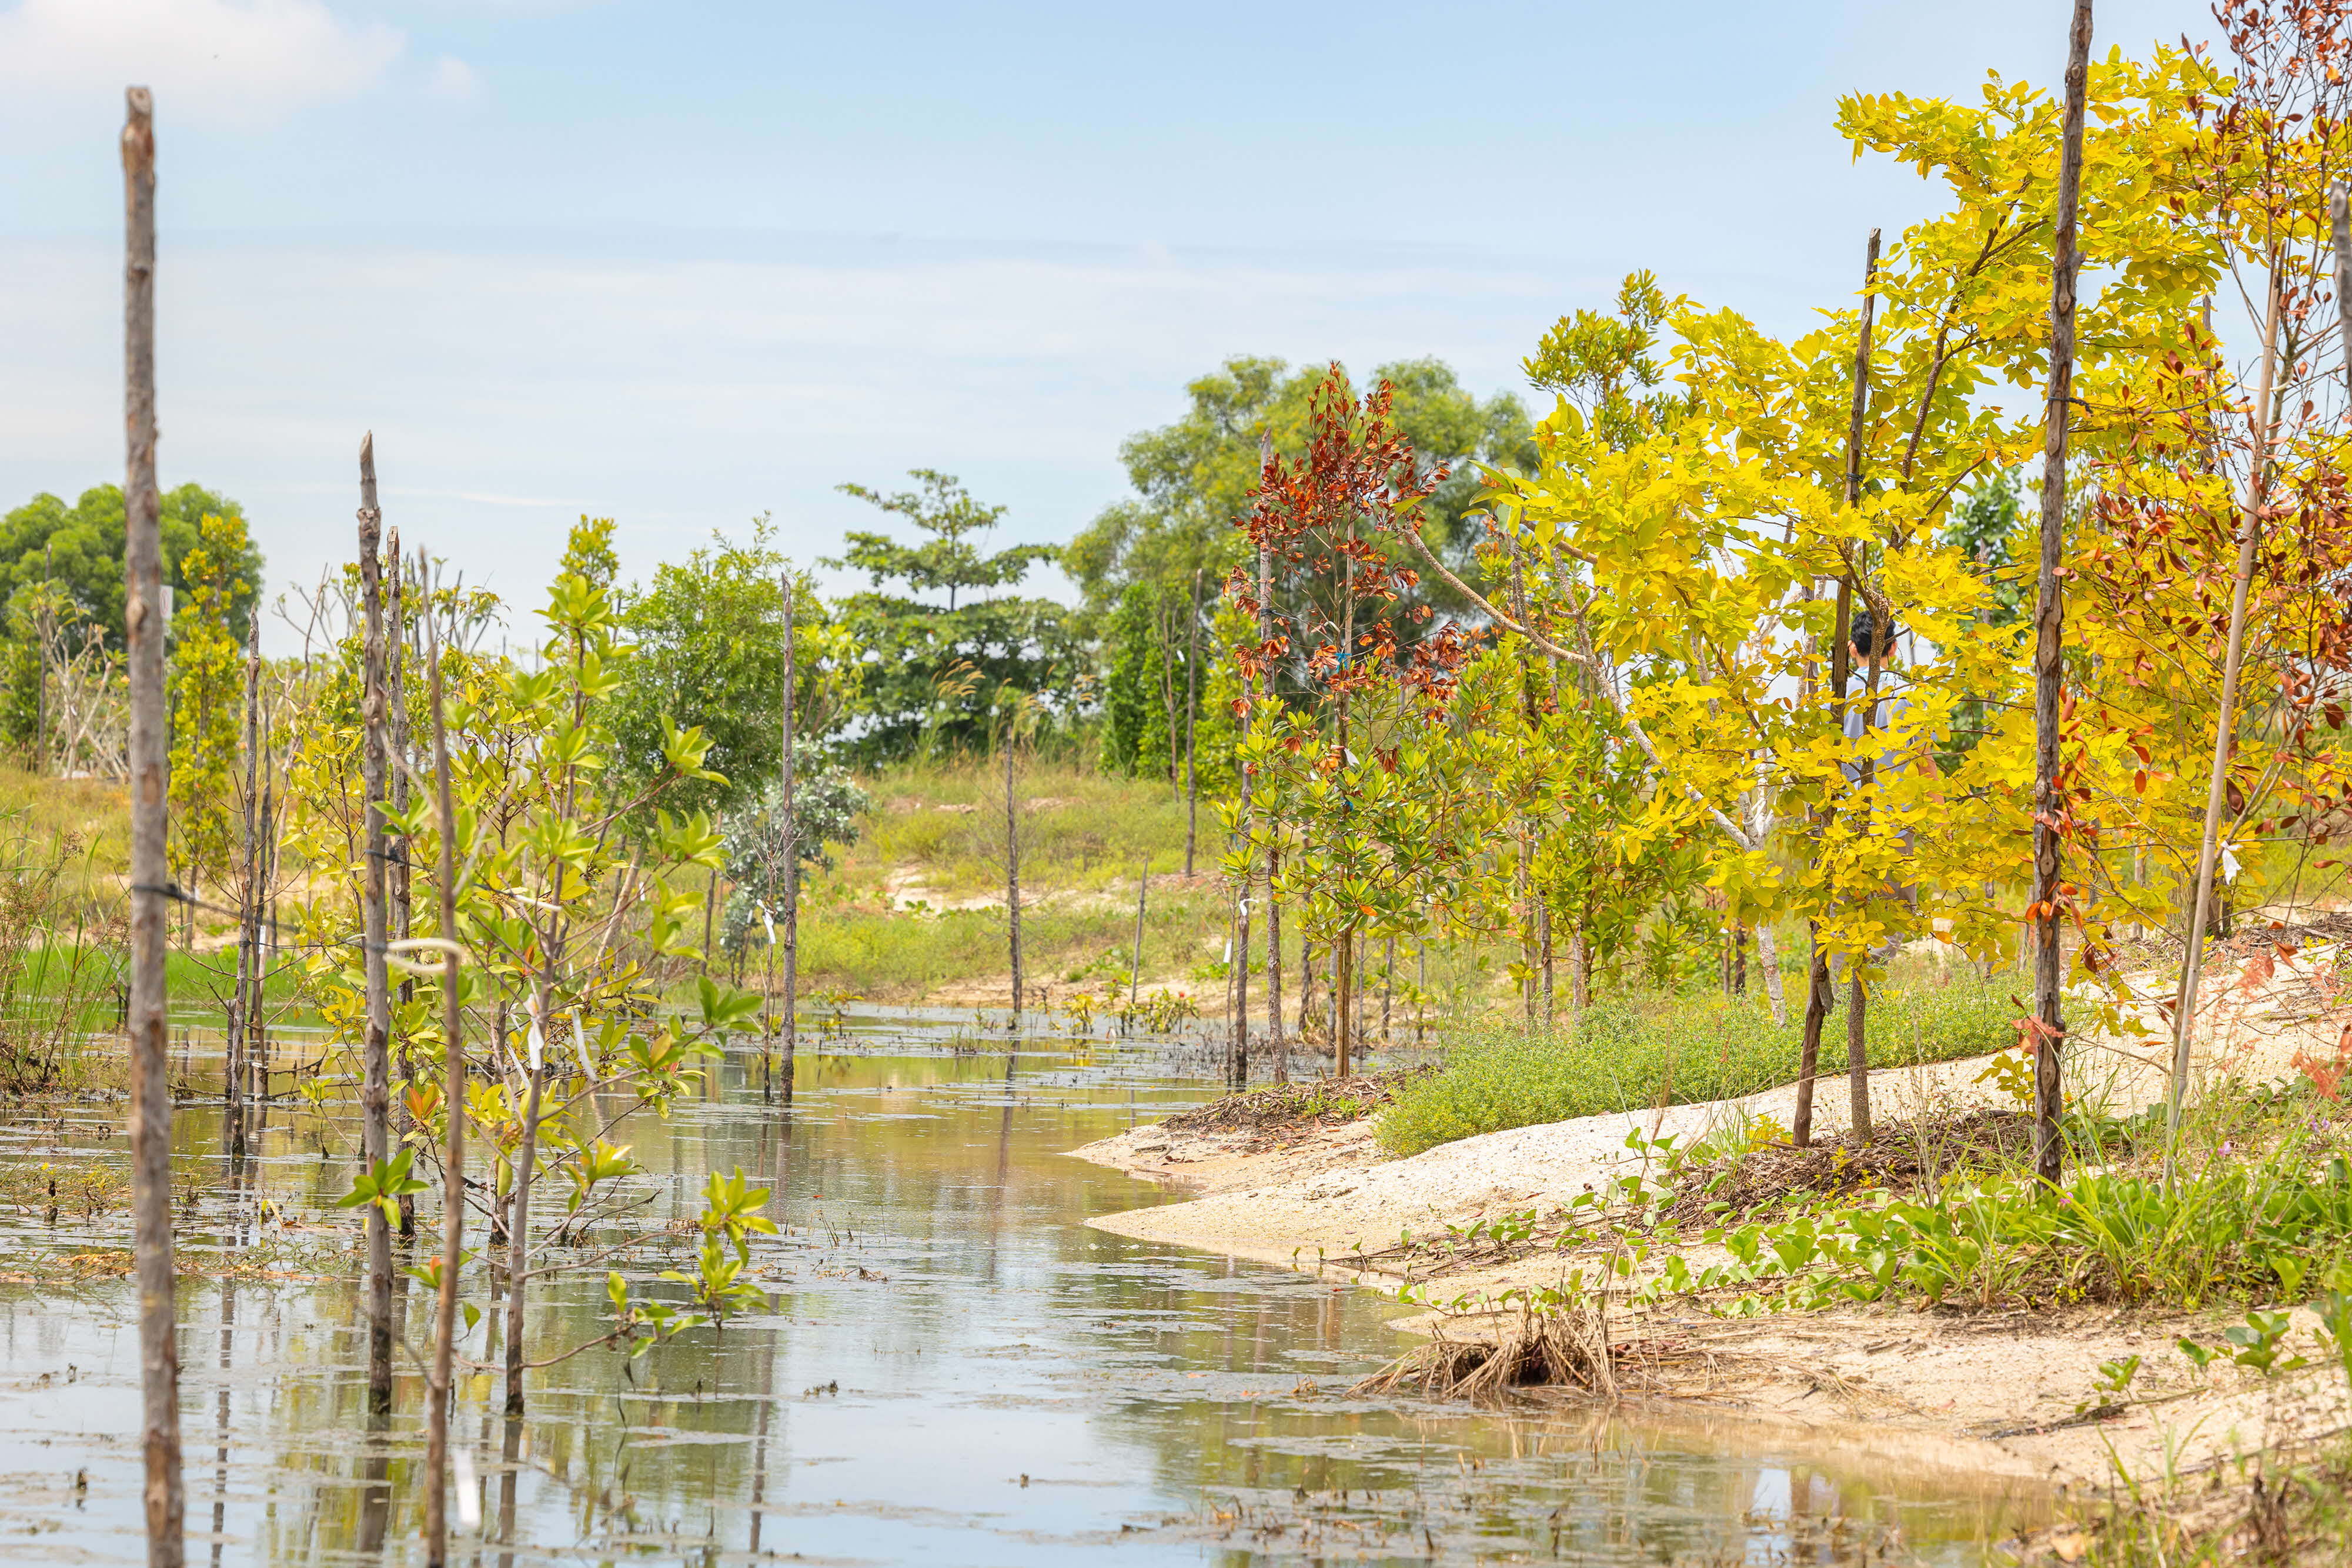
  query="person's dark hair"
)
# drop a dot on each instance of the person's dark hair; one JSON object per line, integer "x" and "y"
{"x": 1861, "y": 626}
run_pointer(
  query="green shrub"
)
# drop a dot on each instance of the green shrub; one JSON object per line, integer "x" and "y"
{"x": 1624, "y": 1056}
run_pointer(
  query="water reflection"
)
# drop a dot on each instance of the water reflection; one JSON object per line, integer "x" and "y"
{"x": 955, "y": 1369}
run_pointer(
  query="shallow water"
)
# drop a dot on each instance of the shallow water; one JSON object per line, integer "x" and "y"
{"x": 957, "y": 1369}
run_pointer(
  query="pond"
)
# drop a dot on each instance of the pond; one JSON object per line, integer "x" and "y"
{"x": 956, "y": 1369}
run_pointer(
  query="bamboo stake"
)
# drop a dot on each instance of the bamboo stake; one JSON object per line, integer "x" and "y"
{"x": 249, "y": 892}
{"x": 1819, "y": 993}
{"x": 453, "y": 1156}
{"x": 1192, "y": 718}
{"x": 375, "y": 1094}
{"x": 790, "y": 1017}
{"x": 1135, "y": 979}
{"x": 519, "y": 1225}
{"x": 1274, "y": 1039}
{"x": 1013, "y": 871}
{"x": 2250, "y": 534}
{"x": 1238, "y": 1069}
{"x": 2050, "y": 625}
{"x": 2339, "y": 213}
{"x": 1857, "y": 1004}
{"x": 396, "y": 867}
{"x": 150, "y": 887}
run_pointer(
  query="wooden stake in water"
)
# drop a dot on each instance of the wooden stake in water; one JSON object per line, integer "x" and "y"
{"x": 248, "y": 897}
{"x": 789, "y": 1017}
{"x": 2050, "y": 623}
{"x": 150, "y": 889}
{"x": 1013, "y": 871}
{"x": 453, "y": 1153}
{"x": 375, "y": 1090}
{"x": 1135, "y": 981}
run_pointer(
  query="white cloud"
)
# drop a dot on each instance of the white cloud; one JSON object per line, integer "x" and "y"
{"x": 454, "y": 78}
{"x": 220, "y": 59}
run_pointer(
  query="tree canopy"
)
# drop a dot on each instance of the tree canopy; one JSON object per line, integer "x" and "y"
{"x": 1194, "y": 478}
{"x": 80, "y": 547}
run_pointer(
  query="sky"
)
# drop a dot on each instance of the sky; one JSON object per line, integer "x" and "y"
{"x": 687, "y": 263}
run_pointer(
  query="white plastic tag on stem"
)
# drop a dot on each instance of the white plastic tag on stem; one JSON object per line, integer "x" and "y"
{"x": 770, "y": 922}
{"x": 2230, "y": 867}
{"x": 469, "y": 1498}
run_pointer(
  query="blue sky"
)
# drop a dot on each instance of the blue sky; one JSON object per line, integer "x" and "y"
{"x": 682, "y": 263}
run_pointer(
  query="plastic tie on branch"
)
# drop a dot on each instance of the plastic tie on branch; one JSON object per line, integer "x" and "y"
{"x": 393, "y": 951}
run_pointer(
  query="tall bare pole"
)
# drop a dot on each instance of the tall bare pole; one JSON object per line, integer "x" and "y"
{"x": 1274, "y": 1039}
{"x": 375, "y": 1091}
{"x": 2339, "y": 213}
{"x": 1142, "y": 891}
{"x": 1818, "y": 994}
{"x": 2050, "y": 617}
{"x": 1238, "y": 1071}
{"x": 2250, "y": 534}
{"x": 150, "y": 888}
{"x": 1191, "y": 720}
{"x": 1857, "y": 1000}
{"x": 1012, "y": 869}
{"x": 789, "y": 1019}
{"x": 453, "y": 1153}
{"x": 396, "y": 867}
{"x": 248, "y": 898}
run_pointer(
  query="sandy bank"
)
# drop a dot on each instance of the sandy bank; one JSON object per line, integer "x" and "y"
{"x": 2012, "y": 1393}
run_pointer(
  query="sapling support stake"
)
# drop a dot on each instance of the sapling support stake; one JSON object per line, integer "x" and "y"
{"x": 249, "y": 892}
{"x": 1191, "y": 719}
{"x": 150, "y": 1091}
{"x": 453, "y": 1155}
{"x": 2049, "y": 627}
{"x": 1013, "y": 871}
{"x": 2339, "y": 213}
{"x": 375, "y": 1092}
{"x": 789, "y": 1018}
{"x": 1135, "y": 977}
{"x": 2250, "y": 534}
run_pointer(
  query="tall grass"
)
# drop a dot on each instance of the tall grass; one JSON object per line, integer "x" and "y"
{"x": 1625, "y": 1055}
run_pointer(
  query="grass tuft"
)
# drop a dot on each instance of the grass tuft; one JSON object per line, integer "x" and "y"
{"x": 1629, "y": 1055}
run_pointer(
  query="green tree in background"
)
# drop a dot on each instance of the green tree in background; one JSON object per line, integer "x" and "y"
{"x": 208, "y": 696}
{"x": 707, "y": 648}
{"x": 80, "y": 547}
{"x": 1193, "y": 478}
{"x": 935, "y": 673}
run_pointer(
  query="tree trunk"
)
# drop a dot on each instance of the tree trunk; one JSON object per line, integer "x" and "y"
{"x": 150, "y": 1091}
{"x": 375, "y": 1092}
{"x": 2050, "y": 623}
{"x": 787, "y": 773}
{"x": 1809, "y": 1057}
{"x": 453, "y": 1153}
